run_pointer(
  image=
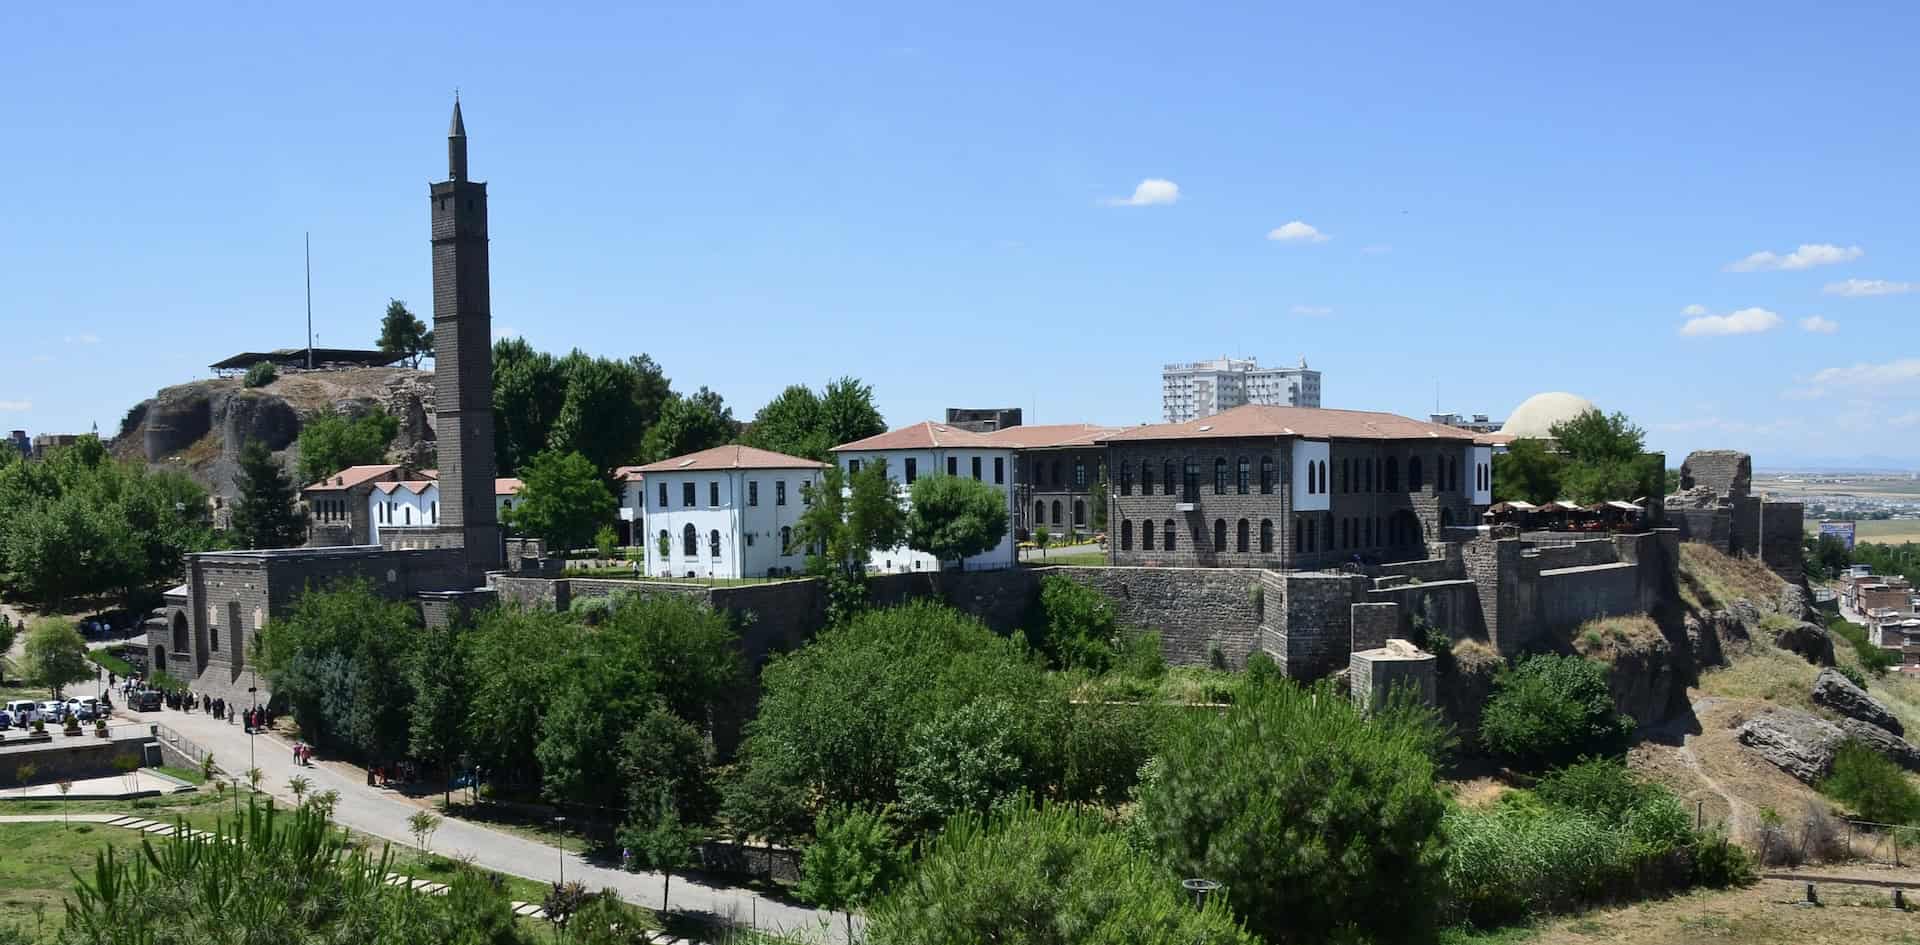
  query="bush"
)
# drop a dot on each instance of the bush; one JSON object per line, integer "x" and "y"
{"x": 260, "y": 375}
{"x": 1873, "y": 786}
{"x": 1262, "y": 670}
{"x": 1311, "y": 815}
{"x": 1854, "y": 676}
{"x": 1875, "y": 659}
{"x": 1073, "y": 625}
{"x": 1597, "y": 786}
{"x": 1551, "y": 710}
{"x": 1052, "y": 875}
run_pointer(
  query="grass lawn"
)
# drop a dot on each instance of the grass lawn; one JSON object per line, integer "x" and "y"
{"x": 113, "y": 664}
{"x": 1762, "y": 914}
{"x": 1067, "y": 559}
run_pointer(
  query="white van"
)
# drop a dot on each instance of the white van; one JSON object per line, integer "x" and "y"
{"x": 24, "y": 711}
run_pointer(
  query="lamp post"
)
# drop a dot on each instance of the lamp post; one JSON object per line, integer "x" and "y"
{"x": 252, "y": 730}
{"x": 560, "y": 826}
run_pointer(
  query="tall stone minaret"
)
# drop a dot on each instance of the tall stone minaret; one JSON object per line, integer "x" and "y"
{"x": 463, "y": 357}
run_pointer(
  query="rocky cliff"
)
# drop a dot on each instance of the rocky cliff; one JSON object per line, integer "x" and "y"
{"x": 199, "y": 427}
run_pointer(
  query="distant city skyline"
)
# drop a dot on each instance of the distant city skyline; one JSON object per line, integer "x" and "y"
{"x": 1493, "y": 202}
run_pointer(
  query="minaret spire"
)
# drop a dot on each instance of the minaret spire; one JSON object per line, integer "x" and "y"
{"x": 457, "y": 143}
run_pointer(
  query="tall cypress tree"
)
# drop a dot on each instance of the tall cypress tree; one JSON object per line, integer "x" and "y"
{"x": 265, "y": 515}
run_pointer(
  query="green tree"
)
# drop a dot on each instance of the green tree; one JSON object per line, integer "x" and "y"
{"x": 260, "y": 375}
{"x": 1049, "y": 875}
{"x": 964, "y": 760}
{"x": 1074, "y": 625}
{"x": 265, "y": 516}
{"x": 851, "y": 861}
{"x": 1550, "y": 710}
{"x": 528, "y": 389}
{"x": 837, "y": 717}
{"x": 607, "y": 408}
{"x": 848, "y": 516}
{"x": 565, "y": 499}
{"x": 689, "y": 424}
{"x": 402, "y": 333}
{"x": 664, "y": 755}
{"x": 341, "y": 658}
{"x": 334, "y": 441}
{"x": 55, "y": 655}
{"x": 790, "y": 423}
{"x": 1097, "y": 501}
{"x": 1825, "y": 557}
{"x": 952, "y": 518}
{"x": 757, "y": 799}
{"x": 847, "y": 412}
{"x": 1872, "y": 785}
{"x": 606, "y": 541}
{"x": 517, "y": 659}
{"x": 1308, "y": 813}
{"x": 438, "y": 715}
{"x": 8, "y": 632}
{"x": 1527, "y": 472}
{"x": 661, "y": 842}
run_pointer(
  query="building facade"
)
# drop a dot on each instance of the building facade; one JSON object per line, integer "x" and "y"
{"x": 1057, "y": 470}
{"x": 1287, "y": 488}
{"x": 727, "y": 512}
{"x": 926, "y": 449}
{"x": 983, "y": 419}
{"x": 1190, "y": 390}
{"x": 340, "y": 507}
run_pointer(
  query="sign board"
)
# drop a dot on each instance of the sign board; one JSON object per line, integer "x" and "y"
{"x": 1842, "y": 532}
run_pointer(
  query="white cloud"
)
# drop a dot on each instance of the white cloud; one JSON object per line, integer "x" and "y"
{"x": 1724, "y": 426}
{"x": 1153, "y": 191}
{"x": 1807, "y": 256}
{"x": 1313, "y": 311}
{"x": 1297, "y": 231}
{"x": 1819, "y": 326}
{"x": 84, "y": 338}
{"x": 1746, "y": 321}
{"x": 1904, "y": 420}
{"x": 15, "y": 406}
{"x": 1859, "y": 288}
{"x": 1692, "y": 311}
{"x": 1888, "y": 374}
{"x": 1377, "y": 249}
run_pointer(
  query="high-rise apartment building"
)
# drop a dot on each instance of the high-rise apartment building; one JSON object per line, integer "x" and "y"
{"x": 1193, "y": 389}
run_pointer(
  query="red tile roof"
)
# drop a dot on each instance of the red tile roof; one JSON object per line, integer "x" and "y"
{"x": 507, "y": 487}
{"x": 733, "y": 456}
{"x": 1310, "y": 422}
{"x": 352, "y": 476}
{"x": 1046, "y": 436}
{"x": 628, "y": 473}
{"x": 415, "y": 486}
{"x": 920, "y": 436}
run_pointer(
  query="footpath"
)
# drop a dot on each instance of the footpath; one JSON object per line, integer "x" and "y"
{"x": 382, "y": 813}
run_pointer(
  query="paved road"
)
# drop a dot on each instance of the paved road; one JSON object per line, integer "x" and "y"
{"x": 384, "y": 814}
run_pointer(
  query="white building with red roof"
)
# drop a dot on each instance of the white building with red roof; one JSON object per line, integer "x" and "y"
{"x": 727, "y": 512}
{"x": 929, "y": 448}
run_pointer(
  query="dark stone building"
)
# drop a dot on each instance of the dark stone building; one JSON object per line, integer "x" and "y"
{"x": 1290, "y": 488}
{"x": 1056, "y": 472}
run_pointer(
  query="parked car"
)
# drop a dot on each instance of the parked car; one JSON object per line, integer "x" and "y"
{"x": 53, "y": 711}
{"x": 23, "y": 711}
{"x": 6, "y": 720}
{"x": 145, "y": 700}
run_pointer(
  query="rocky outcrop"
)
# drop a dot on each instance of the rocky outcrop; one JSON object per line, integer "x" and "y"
{"x": 1643, "y": 682}
{"x": 1838, "y": 693}
{"x": 1810, "y": 640}
{"x": 1714, "y": 637}
{"x": 1901, "y": 751}
{"x": 1794, "y": 604}
{"x": 1796, "y": 742}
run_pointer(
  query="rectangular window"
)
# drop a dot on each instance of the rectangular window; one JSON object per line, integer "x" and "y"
{"x": 780, "y": 492}
{"x": 663, "y": 495}
{"x": 953, "y": 465}
{"x": 913, "y": 470}
{"x": 753, "y": 492}
{"x": 853, "y": 466}
{"x": 999, "y": 470}
{"x": 1079, "y": 474}
{"x": 713, "y": 495}
{"x": 976, "y": 469}
{"x": 688, "y": 491}
{"x": 1190, "y": 482}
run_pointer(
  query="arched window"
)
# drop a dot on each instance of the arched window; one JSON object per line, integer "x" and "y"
{"x": 1266, "y": 536}
{"x": 1146, "y": 478}
{"x": 1169, "y": 534}
{"x": 1346, "y": 533}
{"x": 1390, "y": 476}
{"x": 1126, "y": 479}
{"x": 1056, "y": 511}
{"x": 690, "y": 537}
{"x": 1312, "y": 545}
{"x": 1079, "y": 512}
{"x": 1079, "y": 473}
{"x": 786, "y": 539}
{"x": 713, "y": 542}
{"x": 1369, "y": 477}
{"x": 436, "y": 511}
{"x": 1245, "y": 483}
{"x": 1414, "y": 477}
{"x": 1266, "y": 475}
{"x": 1146, "y": 535}
{"x": 1167, "y": 475}
{"x": 1323, "y": 477}
{"x": 1219, "y": 534}
{"x": 1190, "y": 481}
{"x": 1346, "y": 475}
{"x": 665, "y": 546}
{"x": 406, "y": 514}
{"x": 1446, "y": 518}
{"x": 1299, "y": 535}
{"x": 1039, "y": 512}
{"x": 1240, "y": 537}
{"x": 180, "y": 642}
{"x": 1126, "y": 535}
{"x": 1220, "y": 475}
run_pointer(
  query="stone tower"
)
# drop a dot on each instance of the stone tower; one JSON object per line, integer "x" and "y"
{"x": 463, "y": 357}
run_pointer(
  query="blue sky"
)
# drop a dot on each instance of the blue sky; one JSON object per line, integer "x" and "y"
{"x": 1502, "y": 200}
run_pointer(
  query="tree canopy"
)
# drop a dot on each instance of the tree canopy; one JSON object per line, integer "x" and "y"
{"x": 264, "y": 516}
{"x": 403, "y": 333}
{"x": 952, "y": 517}
{"x": 598, "y": 407}
{"x": 343, "y": 658}
{"x": 332, "y": 441}
{"x": 564, "y": 500}
{"x": 55, "y": 656}
{"x": 800, "y": 422}
{"x": 847, "y": 516}
{"x": 689, "y": 424}
{"x": 1592, "y": 457}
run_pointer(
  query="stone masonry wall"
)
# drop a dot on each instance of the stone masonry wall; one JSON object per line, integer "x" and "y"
{"x": 1726, "y": 472}
{"x": 1781, "y": 524}
{"x": 1317, "y": 634}
{"x": 1195, "y": 610}
{"x": 1373, "y": 624}
{"x": 1575, "y": 555}
{"x": 1450, "y": 606}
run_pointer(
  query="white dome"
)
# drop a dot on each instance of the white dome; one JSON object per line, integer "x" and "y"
{"x": 1536, "y": 415}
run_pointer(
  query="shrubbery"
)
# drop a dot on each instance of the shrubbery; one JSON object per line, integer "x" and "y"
{"x": 1873, "y": 786}
{"x": 1053, "y": 875}
{"x": 1310, "y": 814}
{"x": 1551, "y": 710}
{"x": 1875, "y": 659}
{"x": 1590, "y": 833}
{"x": 260, "y": 375}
